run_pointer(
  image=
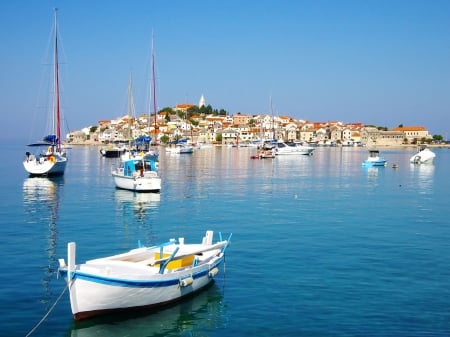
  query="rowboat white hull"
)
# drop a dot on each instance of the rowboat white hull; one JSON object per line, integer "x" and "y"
{"x": 92, "y": 295}
{"x": 149, "y": 182}
{"x": 140, "y": 279}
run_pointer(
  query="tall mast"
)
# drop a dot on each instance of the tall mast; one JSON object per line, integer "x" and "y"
{"x": 57, "y": 112}
{"x": 130, "y": 107}
{"x": 273, "y": 120}
{"x": 154, "y": 88}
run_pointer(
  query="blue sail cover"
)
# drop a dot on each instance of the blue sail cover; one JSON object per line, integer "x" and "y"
{"x": 51, "y": 139}
{"x": 46, "y": 141}
{"x": 143, "y": 140}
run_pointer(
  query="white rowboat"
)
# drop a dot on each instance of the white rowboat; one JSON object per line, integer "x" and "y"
{"x": 142, "y": 278}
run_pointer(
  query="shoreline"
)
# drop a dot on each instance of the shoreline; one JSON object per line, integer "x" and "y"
{"x": 404, "y": 146}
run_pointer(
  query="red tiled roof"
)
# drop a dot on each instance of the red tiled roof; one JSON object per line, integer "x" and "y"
{"x": 410, "y": 128}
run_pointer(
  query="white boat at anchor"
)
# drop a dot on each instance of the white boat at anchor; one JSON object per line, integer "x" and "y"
{"x": 374, "y": 159}
{"x": 283, "y": 148}
{"x": 113, "y": 151}
{"x": 52, "y": 160}
{"x": 423, "y": 156}
{"x": 138, "y": 174}
{"x": 142, "y": 278}
{"x": 180, "y": 148}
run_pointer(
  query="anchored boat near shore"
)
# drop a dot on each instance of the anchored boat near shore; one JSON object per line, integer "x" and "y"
{"x": 52, "y": 159}
{"x": 374, "y": 159}
{"x": 423, "y": 156}
{"x": 139, "y": 174}
{"x": 142, "y": 278}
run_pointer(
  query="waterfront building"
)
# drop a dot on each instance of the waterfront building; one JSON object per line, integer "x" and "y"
{"x": 372, "y": 137}
{"x": 413, "y": 133}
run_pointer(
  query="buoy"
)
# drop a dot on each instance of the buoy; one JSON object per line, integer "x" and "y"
{"x": 213, "y": 272}
{"x": 186, "y": 281}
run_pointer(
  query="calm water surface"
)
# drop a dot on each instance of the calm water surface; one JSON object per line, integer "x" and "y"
{"x": 321, "y": 246}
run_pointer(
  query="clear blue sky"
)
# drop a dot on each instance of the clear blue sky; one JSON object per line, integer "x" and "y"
{"x": 382, "y": 62}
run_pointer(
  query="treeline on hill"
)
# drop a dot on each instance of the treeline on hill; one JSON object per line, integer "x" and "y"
{"x": 193, "y": 111}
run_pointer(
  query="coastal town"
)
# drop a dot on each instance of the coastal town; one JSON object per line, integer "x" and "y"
{"x": 200, "y": 124}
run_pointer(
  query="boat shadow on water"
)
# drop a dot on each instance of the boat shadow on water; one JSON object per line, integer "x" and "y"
{"x": 191, "y": 316}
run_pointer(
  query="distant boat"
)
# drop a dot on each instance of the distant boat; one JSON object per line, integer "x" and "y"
{"x": 374, "y": 159}
{"x": 283, "y": 148}
{"x": 423, "y": 156}
{"x": 52, "y": 159}
{"x": 203, "y": 145}
{"x": 264, "y": 154}
{"x": 142, "y": 278}
{"x": 138, "y": 174}
{"x": 180, "y": 147}
{"x": 113, "y": 151}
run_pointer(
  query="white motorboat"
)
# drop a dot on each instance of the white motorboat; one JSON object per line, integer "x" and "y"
{"x": 142, "y": 278}
{"x": 374, "y": 159}
{"x": 180, "y": 148}
{"x": 138, "y": 174}
{"x": 423, "y": 156}
{"x": 113, "y": 151}
{"x": 283, "y": 148}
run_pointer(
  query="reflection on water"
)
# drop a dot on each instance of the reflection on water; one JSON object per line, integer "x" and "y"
{"x": 195, "y": 316}
{"x": 139, "y": 203}
{"x": 41, "y": 201}
{"x": 135, "y": 208}
{"x": 372, "y": 175}
{"x": 424, "y": 174}
{"x": 372, "y": 171}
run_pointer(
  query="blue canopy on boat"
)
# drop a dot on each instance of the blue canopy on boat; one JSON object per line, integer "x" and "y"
{"x": 46, "y": 141}
{"x": 142, "y": 140}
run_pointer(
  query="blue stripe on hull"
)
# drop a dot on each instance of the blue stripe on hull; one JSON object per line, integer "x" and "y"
{"x": 135, "y": 283}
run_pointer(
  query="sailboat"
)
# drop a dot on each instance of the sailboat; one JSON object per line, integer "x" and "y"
{"x": 137, "y": 173}
{"x": 52, "y": 160}
{"x": 155, "y": 112}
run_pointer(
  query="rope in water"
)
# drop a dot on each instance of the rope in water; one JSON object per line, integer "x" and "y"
{"x": 48, "y": 312}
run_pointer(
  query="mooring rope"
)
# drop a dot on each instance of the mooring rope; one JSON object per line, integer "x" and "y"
{"x": 48, "y": 312}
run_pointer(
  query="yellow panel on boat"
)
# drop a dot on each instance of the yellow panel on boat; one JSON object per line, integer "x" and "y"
{"x": 184, "y": 262}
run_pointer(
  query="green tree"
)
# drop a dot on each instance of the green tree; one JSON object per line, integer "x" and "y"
{"x": 169, "y": 110}
{"x": 164, "y": 139}
{"x": 438, "y": 138}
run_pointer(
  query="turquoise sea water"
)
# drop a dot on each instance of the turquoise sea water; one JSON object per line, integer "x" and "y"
{"x": 321, "y": 246}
